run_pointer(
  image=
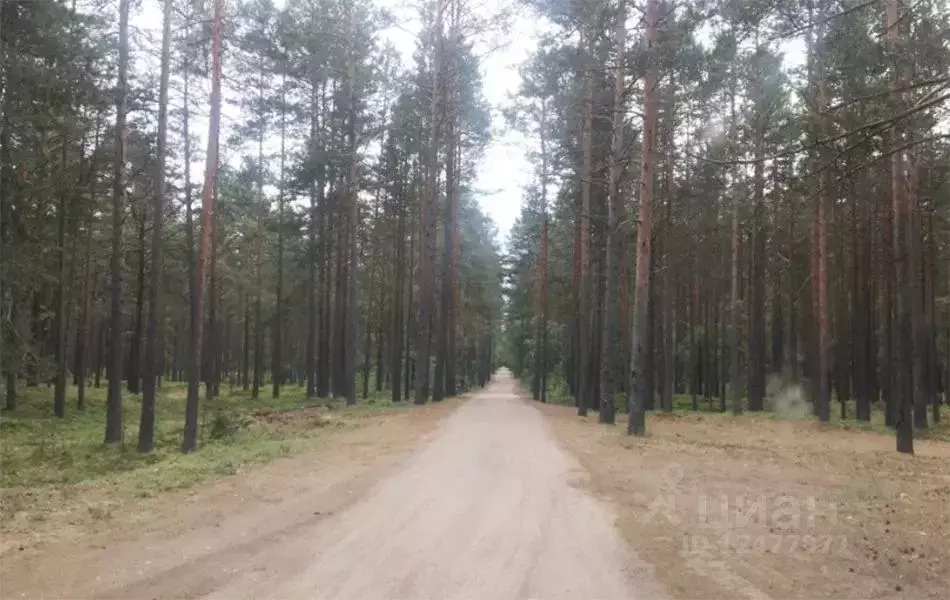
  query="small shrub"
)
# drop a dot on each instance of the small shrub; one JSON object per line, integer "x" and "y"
{"x": 223, "y": 426}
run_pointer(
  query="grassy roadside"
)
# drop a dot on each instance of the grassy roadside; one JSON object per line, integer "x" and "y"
{"x": 47, "y": 464}
{"x": 790, "y": 410}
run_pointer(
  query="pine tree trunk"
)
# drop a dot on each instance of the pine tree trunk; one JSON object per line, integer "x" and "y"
{"x": 451, "y": 376}
{"x": 793, "y": 288}
{"x": 367, "y": 339}
{"x": 668, "y": 337}
{"x": 83, "y": 329}
{"x": 100, "y": 352}
{"x": 114, "y": 431}
{"x": 536, "y": 321}
{"x": 842, "y": 333}
{"x": 353, "y": 228}
{"x": 946, "y": 372}
{"x": 371, "y": 267}
{"x": 211, "y": 342}
{"x": 262, "y": 209}
{"x": 819, "y": 234}
{"x": 189, "y": 211}
{"x": 59, "y": 392}
{"x": 324, "y": 289}
{"x": 614, "y": 204}
{"x": 544, "y": 297}
{"x": 584, "y": 383}
{"x": 918, "y": 284}
{"x": 246, "y": 344}
{"x": 154, "y": 348}
{"x": 640, "y": 359}
{"x": 734, "y": 325}
{"x": 410, "y": 360}
{"x": 654, "y": 325}
{"x": 860, "y": 322}
{"x": 757, "y": 322}
{"x": 323, "y": 252}
{"x": 904, "y": 388}
{"x": 448, "y": 243}
{"x": 885, "y": 305}
{"x": 399, "y": 286}
{"x": 338, "y": 344}
{"x": 133, "y": 368}
{"x": 382, "y": 376}
{"x": 10, "y": 394}
{"x": 382, "y": 322}
{"x": 930, "y": 320}
{"x": 8, "y": 229}
{"x": 277, "y": 360}
{"x": 190, "y": 437}
{"x": 428, "y": 209}
{"x": 869, "y": 294}
{"x": 313, "y": 258}
{"x": 7, "y": 302}
{"x": 351, "y": 345}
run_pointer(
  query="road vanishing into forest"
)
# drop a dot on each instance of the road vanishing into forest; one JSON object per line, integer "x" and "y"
{"x": 486, "y": 509}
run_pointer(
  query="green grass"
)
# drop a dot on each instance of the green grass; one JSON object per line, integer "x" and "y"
{"x": 683, "y": 403}
{"x": 37, "y": 449}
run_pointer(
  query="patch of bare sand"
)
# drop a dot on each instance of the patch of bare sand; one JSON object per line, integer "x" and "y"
{"x": 186, "y": 532}
{"x": 738, "y": 508}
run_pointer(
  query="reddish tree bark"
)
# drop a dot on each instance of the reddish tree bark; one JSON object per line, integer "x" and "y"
{"x": 190, "y": 437}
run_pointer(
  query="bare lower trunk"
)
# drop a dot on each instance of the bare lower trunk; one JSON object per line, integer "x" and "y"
{"x": 154, "y": 349}
{"x": 312, "y": 288}
{"x": 757, "y": 322}
{"x": 904, "y": 388}
{"x": 614, "y": 207}
{"x": 59, "y": 392}
{"x": 918, "y": 284}
{"x": 114, "y": 431}
{"x": 353, "y": 222}
{"x": 398, "y": 291}
{"x": 190, "y": 437}
{"x": 543, "y": 361}
{"x": 448, "y": 261}
{"x": 258, "y": 313}
{"x": 428, "y": 221}
{"x": 584, "y": 313}
{"x": 640, "y": 360}
{"x": 134, "y": 366}
{"x": 410, "y": 364}
{"x": 277, "y": 361}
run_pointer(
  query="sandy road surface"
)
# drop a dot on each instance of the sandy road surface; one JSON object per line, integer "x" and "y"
{"x": 485, "y": 510}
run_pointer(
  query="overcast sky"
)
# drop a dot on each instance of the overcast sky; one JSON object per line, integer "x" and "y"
{"x": 503, "y": 171}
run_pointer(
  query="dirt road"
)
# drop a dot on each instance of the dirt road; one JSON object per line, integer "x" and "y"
{"x": 485, "y": 509}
